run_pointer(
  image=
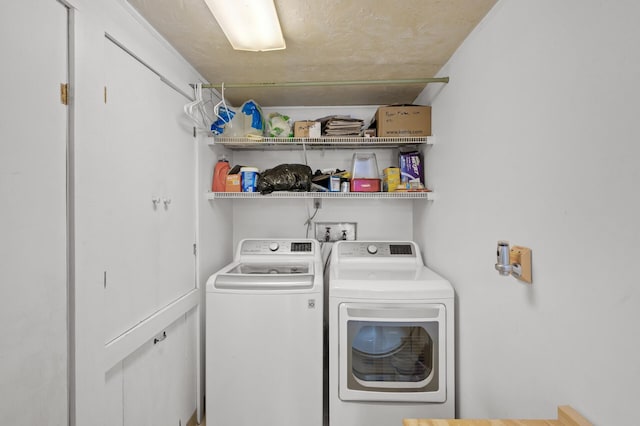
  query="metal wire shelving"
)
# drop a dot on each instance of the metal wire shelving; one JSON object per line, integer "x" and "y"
{"x": 353, "y": 142}
{"x": 330, "y": 195}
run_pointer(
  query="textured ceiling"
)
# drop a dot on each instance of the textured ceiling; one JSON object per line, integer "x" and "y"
{"x": 327, "y": 40}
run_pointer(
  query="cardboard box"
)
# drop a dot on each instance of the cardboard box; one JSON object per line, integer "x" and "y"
{"x": 390, "y": 179}
{"x": 390, "y": 184}
{"x": 392, "y": 172}
{"x": 403, "y": 121}
{"x": 411, "y": 168}
{"x": 306, "y": 129}
{"x": 233, "y": 183}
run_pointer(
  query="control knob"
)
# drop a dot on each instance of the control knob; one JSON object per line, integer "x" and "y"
{"x": 274, "y": 246}
{"x": 372, "y": 249}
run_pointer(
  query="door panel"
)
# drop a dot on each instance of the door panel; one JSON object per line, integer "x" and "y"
{"x": 177, "y": 185}
{"x": 113, "y": 396}
{"x": 159, "y": 378}
{"x": 33, "y": 229}
{"x": 149, "y": 155}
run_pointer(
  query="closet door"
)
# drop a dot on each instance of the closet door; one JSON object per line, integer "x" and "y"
{"x": 146, "y": 193}
{"x": 159, "y": 379}
{"x": 33, "y": 206}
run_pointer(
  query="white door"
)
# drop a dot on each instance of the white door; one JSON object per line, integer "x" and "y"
{"x": 159, "y": 379}
{"x": 146, "y": 209}
{"x": 392, "y": 352}
{"x": 33, "y": 229}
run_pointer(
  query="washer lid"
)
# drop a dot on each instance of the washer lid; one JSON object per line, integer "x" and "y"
{"x": 271, "y": 268}
{"x": 266, "y": 277}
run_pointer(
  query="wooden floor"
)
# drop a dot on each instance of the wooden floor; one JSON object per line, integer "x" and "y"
{"x": 567, "y": 416}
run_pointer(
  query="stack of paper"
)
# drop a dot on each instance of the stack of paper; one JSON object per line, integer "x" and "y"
{"x": 341, "y": 125}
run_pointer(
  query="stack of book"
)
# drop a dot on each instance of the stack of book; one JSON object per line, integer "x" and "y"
{"x": 341, "y": 125}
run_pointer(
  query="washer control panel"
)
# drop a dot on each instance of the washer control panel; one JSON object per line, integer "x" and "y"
{"x": 276, "y": 247}
{"x": 376, "y": 249}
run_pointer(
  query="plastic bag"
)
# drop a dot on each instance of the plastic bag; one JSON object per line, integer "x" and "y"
{"x": 249, "y": 121}
{"x": 285, "y": 177}
{"x": 278, "y": 126}
{"x": 225, "y": 115}
{"x": 251, "y": 108}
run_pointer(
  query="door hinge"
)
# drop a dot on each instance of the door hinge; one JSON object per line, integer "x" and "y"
{"x": 195, "y": 249}
{"x": 64, "y": 93}
{"x": 105, "y": 94}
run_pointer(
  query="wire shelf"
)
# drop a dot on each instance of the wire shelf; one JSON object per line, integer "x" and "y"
{"x": 422, "y": 195}
{"x": 320, "y": 143}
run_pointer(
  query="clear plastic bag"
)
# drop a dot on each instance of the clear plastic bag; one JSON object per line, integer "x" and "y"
{"x": 279, "y": 126}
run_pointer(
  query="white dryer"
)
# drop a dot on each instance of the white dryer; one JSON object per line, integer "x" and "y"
{"x": 391, "y": 336}
{"x": 264, "y": 336}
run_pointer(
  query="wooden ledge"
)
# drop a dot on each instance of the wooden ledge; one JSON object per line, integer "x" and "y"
{"x": 567, "y": 416}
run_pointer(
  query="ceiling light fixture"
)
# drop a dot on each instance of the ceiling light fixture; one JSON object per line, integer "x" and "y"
{"x": 249, "y": 24}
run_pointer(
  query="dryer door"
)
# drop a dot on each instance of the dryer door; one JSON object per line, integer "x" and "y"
{"x": 392, "y": 352}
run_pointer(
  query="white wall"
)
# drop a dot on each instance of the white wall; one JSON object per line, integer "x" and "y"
{"x": 536, "y": 145}
{"x": 33, "y": 215}
{"x": 215, "y": 235}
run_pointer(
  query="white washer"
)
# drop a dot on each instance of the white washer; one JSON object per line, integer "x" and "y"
{"x": 264, "y": 343}
{"x": 391, "y": 336}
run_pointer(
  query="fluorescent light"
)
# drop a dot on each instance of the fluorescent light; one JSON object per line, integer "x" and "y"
{"x": 249, "y": 24}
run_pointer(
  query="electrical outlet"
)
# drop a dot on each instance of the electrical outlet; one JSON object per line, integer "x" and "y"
{"x": 335, "y": 231}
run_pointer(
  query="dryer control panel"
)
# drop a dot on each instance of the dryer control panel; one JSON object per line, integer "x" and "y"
{"x": 377, "y": 249}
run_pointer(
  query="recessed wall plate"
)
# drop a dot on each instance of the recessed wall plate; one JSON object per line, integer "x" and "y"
{"x": 335, "y": 231}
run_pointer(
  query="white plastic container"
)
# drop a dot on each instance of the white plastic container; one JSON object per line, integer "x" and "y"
{"x": 249, "y": 179}
{"x": 364, "y": 165}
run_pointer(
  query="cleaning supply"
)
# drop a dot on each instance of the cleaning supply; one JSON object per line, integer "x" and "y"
{"x": 249, "y": 179}
{"x": 390, "y": 179}
{"x": 220, "y": 172}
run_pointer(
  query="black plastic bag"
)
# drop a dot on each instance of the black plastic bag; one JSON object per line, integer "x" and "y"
{"x": 285, "y": 177}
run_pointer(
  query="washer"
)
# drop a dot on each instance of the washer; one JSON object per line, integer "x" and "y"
{"x": 264, "y": 342}
{"x": 391, "y": 336}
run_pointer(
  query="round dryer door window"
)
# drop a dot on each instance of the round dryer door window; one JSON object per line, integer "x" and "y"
{"x": 392, "y": 350}
{"x": 391, "y": 353}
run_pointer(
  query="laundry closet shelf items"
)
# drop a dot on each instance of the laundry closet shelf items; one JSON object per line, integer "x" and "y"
{"x": 353, "y": 142}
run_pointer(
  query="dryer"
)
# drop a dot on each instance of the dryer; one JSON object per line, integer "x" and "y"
{"x": 264, "y": 336}
{"x": 391, "y": 336}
